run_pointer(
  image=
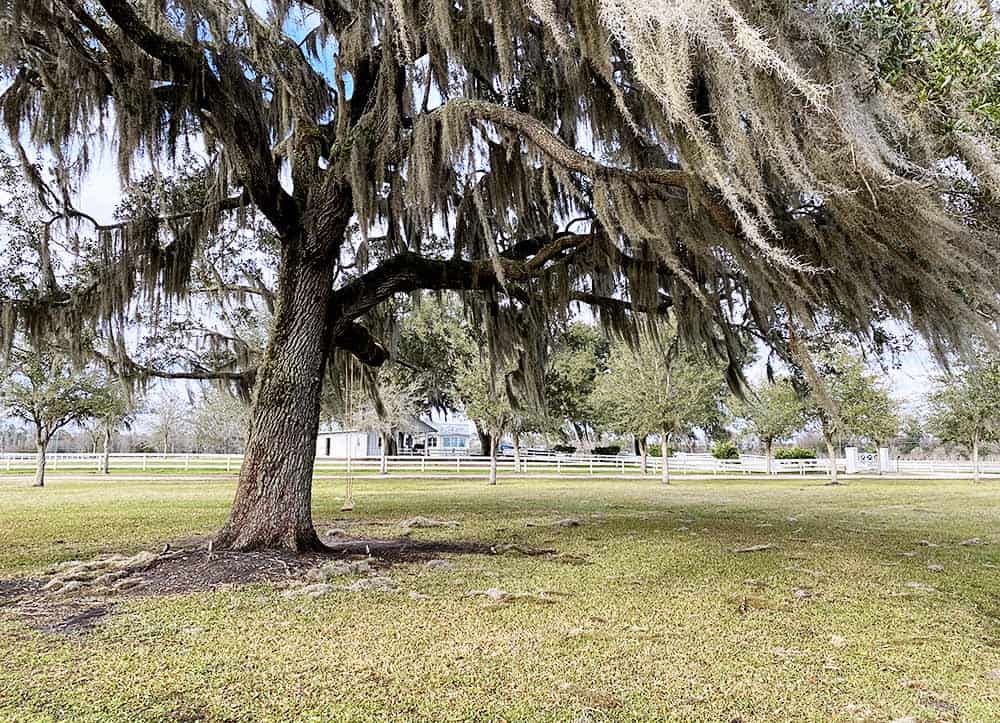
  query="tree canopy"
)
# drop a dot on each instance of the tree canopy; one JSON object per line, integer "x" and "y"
{"x": 965, "y": 407}
{"x": 579, "y": 354}
{"x": 846, "y": 400}
{"x": 43, "y": 389}
{"x": 658, "y": 390}
{"x": 773, "y": 411}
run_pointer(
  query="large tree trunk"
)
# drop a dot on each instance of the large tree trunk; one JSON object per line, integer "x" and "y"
{"x": 665, "y": 451}
{"x": 106, "y": 460}
{"x": 517, "y": 452}
{"x": 832, "y": 458}
{"x": 272, "y": 508}
{"x": 975, "y": 459}
{"x": 41, "y": 446}
{"x": 768, "y": 444}
{"x": 643, "y": 454}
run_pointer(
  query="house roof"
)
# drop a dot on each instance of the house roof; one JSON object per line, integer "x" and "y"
{"x": 418, "y": 426}
{"x": 411, "y": 425}
{"x": 455, "y": 429}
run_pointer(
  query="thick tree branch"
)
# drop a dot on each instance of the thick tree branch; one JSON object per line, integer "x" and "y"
{"x": 232, "y": 110}
{"x": 125, "y": 368}
{"x": 535, "y": 132}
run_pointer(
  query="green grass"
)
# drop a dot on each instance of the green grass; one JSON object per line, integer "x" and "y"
{"x": 651, "y": 629}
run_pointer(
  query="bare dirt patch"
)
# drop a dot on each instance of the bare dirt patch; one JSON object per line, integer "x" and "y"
{"x": 72, "y": 597}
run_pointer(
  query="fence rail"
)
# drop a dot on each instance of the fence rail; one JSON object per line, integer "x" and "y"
{"x": 530, "y": 464}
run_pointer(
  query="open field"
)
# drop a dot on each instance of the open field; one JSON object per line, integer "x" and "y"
{"x": 643, "y": 612}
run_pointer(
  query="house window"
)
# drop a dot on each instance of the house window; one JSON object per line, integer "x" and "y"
{"x": 454, "y": 442}
{"x": 432, "y": 441}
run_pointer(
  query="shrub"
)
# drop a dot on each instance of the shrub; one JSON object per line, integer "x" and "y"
{"x": 654, "y": 450}
{"x": 795, "y": 453}
{"x": 725, "y": 450}
{"x": 564, "y": 449}
{"x": 611, "y": 449}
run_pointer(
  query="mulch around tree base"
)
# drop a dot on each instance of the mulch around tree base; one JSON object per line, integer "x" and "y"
{"x": 70, "y": 598}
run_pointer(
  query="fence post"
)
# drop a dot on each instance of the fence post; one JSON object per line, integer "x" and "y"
{"x": 143, "y": 462}
{"x": 423, "y": 464}
{"x": 592, "y": 465}
{"x": 558, "y": 466}
{"x": 458, "y": 463}
{"x": 187, "y": 462}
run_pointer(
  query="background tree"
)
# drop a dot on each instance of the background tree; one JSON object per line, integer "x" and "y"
{"x": 435, "y": 345}
{"x": 482, "y": 387}
{"x": 437, "y": 146}
{"x": 217, "y": 421}
{"x": 847, "y": 400}
{"x": 171, "y": 420}
{"x": 45, "y": 391}
{"x": 580, "y": 353}
{"x": 965, "y": 407}
{"x": 773, "y": 411}
{"x": 392, "y": 403}
{"x": 657, "y": 390}
{"x": 912, "y": 433}
{"x": 113, "y": 408}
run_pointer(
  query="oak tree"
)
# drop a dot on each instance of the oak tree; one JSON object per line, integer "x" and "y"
{"x": 45, "y": 390}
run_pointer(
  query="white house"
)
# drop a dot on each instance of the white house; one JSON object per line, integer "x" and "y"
{"x": 416, "y": 436}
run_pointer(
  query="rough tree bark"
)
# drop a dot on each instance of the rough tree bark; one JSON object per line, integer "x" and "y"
{"x": 643, "y": 453}
{"x": 517, "y": 452}
{"x": 769, "y": 444}
{"x": 273, "y": 504}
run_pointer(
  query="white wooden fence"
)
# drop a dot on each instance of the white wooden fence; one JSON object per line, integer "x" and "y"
{"x": 471, "y": 466}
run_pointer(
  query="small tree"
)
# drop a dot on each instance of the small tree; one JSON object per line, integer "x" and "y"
{"x": 653, "y": 390}
{"x": 393, "y": 402}
{"x": 773, "y": 411}
{"x": 579, "y": 354}
{"x": 845, "y": 399}
{"x": 618, "y": 405}
{"x": 965, "y": 408}
{"x": 113, "y": 407}
{"x": 171, "y": 420}
{"x": 218, "y": 422}
{"x": 481, "y": 387}
{"x": 911, "y": 435}
{"x": 45, "y": 391}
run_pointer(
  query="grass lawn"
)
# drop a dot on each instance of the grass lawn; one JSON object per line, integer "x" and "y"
{"x": 848, "y": 617}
